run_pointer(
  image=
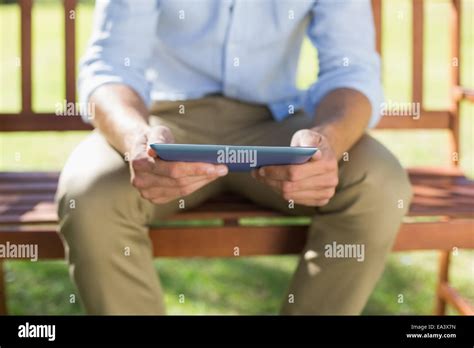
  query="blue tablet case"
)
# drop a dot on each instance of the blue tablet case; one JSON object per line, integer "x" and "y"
{"x": 237, "y": 158}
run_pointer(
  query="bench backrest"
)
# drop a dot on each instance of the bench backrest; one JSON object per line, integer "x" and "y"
{"x": 29, "y": 120}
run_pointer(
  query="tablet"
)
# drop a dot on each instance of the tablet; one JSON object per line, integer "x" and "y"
{"x": 237, "y": 158}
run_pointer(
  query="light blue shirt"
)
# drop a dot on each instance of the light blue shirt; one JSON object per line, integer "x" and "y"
{"x": 244, "y": 49}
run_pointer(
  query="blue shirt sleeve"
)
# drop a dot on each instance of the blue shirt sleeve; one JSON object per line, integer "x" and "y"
{"x": 344, "y": 35}
{"x": 118, "y": 51}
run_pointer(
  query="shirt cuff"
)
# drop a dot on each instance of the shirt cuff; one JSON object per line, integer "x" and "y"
{"x": 372, "y": 89}
{"x": 89, "y": 82}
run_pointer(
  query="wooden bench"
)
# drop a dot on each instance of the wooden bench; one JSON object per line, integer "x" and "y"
{"x": 444, "y": 195}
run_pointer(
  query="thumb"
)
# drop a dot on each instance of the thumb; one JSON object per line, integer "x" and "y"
{"x": 317, "y": 155}
{"x": 306, "y": 137}
{"x": 160, "y": 135}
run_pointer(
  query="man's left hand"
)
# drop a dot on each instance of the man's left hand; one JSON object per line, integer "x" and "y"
{"x": 312, "y": 183}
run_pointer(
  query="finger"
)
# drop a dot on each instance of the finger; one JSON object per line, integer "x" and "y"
{"x": 306, "y": 137}
{"x": 312, "y": 203}
{"x": 158, "y": 134}
{"x": 275, "y": 185}
{"x": 292, "y": 172}
{"x": 143, "y": 165}
{"x": 314, "y": 183}
{"x": 318, "y": 182}
{"x": 191, "y": 188}
{"x": 139, "y": 146}
{"x": 314, "y": 195}
{"x": 152, "y": 153}
{"x": 317, "y": 155}
{"x": 159, "y": 195}
{"x": 146, "y": 180}
{"x": 177, "y": 170}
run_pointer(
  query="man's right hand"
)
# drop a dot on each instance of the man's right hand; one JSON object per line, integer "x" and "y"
{"x": 162, "y": 181}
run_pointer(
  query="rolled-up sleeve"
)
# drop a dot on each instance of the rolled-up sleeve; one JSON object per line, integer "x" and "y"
{"x": 344, "y": 35}
{"x": 120, "y": 48}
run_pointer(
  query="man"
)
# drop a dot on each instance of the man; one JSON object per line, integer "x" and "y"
{"x": 223, "y": 72}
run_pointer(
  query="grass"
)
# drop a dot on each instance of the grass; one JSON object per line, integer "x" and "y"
{"x": 253, "y": 285}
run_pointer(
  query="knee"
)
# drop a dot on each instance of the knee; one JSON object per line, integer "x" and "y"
{"x": 83, "y": 195}
{"x": 94, "y": 181}
{"x": 388, "y": 186}
{"x": 90, "y": 202}
{"x": 377, "y": 176}
{"x": 375, "y": 194}
{"x": 93, "y": 214}
{"x": 389, "y": 190}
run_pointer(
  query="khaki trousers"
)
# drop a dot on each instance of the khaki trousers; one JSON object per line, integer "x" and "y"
{"x": 102, "y": 216}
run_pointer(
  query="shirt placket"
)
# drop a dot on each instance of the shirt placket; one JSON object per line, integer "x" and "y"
{"x": 232, "y": 59}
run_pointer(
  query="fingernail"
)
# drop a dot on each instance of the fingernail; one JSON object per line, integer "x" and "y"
{"x": 221, "y": 171}
{"x": 210, "y": 171}
{"x": 261, "y": 172}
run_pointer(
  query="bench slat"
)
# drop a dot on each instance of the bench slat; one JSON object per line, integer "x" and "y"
{"x": 438, "y": 192}
{"x": 28, "y": 176}
{"x": 45, "y": 212}
{"x": 36, "y": 187}
{"x": 221, "y": 241}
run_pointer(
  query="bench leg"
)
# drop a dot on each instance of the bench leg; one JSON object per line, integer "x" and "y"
{"x": 443, "y": 276}
{"x": 3, "y": 295}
